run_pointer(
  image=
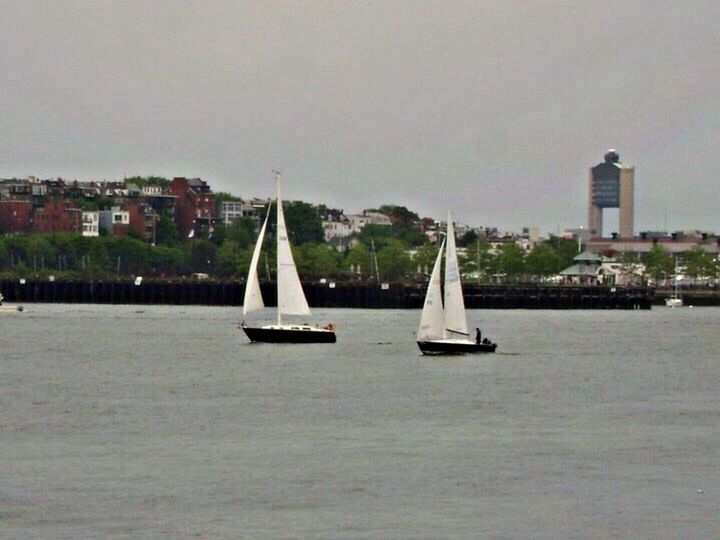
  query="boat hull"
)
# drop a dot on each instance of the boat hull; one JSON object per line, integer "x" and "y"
{"x": 300, "y": 334}
{"x": 673, "y": 302}
{"x": 455, "y": 347}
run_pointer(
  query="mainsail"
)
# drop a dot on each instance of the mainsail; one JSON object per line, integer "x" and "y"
{"x": 253, "y": 297}
{"x": 455, "y": 319}
{"x": 432, "y": 318}
{"x": 291, "y": 298}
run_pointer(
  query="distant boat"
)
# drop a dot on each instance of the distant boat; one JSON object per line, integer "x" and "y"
{"x": 675, "y": 300}
{"x": 290, "y": 295}
{"x": 8, "y": 308}
{"x": 443, "y": 329}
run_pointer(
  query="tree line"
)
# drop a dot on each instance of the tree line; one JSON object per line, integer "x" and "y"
{"x": 390, "y": 253}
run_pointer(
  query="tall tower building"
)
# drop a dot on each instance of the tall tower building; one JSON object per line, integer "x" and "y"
{"x": 612, "y": 185}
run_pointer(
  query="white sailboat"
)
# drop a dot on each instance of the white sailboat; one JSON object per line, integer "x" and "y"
{"x": 290, "y": 295}
{"x": 443, "y": 328}
{"x": 675, "y": 300}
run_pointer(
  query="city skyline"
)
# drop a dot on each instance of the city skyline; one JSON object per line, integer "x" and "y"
{"x": 495, "y": 110}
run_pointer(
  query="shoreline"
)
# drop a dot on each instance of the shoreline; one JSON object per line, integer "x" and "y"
{"x": 340, "y": 294}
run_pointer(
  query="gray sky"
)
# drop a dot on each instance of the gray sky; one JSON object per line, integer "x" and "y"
{"x": 494, "y": 108}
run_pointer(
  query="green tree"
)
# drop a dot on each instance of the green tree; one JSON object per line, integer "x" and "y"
{"x": 166, "y": 233}
{"x": 241, "y": 231}
{"x": 302, "y": 221}
{"x": 144, "y": 181}
{"x": 543, "y": 260}
{"x": 468, "y": 239}
{"x": 201, "y": 254}
{"x": 565, "y": 249}
{"x": 699, "y": 263}
{"x": 658, "y": 262}
{"x": 393, "y": 261}
{"x": 358, "y": 258}
{"x": 316, "y": 260}
{"x": 425, "y": 257}
{"x": 379, "y": 234}
{"x": 39, "y": 251}
{"x": 629, "y": 264}
{"x": 511, "y": 260}
{"x": 477, "y": 258}
{"x": 228, "y": 258}
{"x": 398, "y": 214}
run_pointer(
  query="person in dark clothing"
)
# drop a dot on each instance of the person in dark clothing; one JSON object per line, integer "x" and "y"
{"x": 477, "y": 335}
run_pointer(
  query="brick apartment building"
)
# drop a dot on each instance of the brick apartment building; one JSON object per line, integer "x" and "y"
{"x": 58, "y": 216}
{"x": 194, "y": 206}
{"x": 15, "y": 216}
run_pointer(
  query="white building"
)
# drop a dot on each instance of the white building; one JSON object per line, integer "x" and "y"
{"x": 337, "y": 228}
{"x": 111, "y": 217}
{"x": 358, "y": 221}
{"x": 91, "y": 223}
{"x": 231, "y": 210}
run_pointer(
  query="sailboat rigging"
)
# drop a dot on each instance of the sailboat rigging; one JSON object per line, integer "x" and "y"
{"x": 443, "y": 325}
{"x": 290, "y": 296}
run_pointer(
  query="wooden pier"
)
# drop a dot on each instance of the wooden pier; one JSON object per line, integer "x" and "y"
{"x": 340, "y": 295}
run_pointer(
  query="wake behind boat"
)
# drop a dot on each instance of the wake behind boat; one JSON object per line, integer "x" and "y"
{"x": 443, "y": 329}
{"x": 290, "y": 295}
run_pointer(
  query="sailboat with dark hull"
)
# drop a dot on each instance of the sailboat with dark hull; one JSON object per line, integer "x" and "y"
{"x": 290, "y": 295}
{"x": 443, "y": 325}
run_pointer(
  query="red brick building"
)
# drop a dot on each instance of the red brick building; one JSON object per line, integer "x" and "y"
{"x": 15, "y": 216}
{"x": 194, "y": 206}
{"x": 142, "y": 219}
{"x": 58, "y": 216}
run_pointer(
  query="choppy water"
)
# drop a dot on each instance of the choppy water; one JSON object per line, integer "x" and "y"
{"x": 146, "y": 422}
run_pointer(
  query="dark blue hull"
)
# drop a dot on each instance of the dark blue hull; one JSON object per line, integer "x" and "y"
{"x": 439, "y": 347}
{"x": 282, "y": 335}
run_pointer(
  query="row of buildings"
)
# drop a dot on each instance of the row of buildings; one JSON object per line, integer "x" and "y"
{"x": 55, "y": 205}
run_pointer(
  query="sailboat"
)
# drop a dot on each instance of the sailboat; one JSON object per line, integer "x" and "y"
{"x": 290, "y": 296}
{"x": 443, "y": 328}
{"x": 675, "y": 300}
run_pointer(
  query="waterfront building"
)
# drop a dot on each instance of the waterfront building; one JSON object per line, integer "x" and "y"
{"x": 674, "y": 244}
{"x": 611, "y": 185}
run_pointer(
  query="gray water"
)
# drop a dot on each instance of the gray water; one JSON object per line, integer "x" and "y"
{"x": 147, "y": 422}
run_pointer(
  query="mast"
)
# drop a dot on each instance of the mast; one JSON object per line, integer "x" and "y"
{"x": 277, "y": 245}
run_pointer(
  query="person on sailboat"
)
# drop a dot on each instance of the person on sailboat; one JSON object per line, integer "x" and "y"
{"x": 478, "y": 335}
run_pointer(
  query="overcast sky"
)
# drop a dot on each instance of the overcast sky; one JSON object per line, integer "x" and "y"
{"x": 494, "y": 108}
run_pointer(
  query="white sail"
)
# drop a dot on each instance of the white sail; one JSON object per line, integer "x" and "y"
{"x": 291, "y": 298}
{"x": 432, "y": 320}
{"x": 455, "y": 319}
{"x": 253, "y": 297}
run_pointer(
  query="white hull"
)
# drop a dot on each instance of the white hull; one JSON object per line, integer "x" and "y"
{"x": 673, "y": 302}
